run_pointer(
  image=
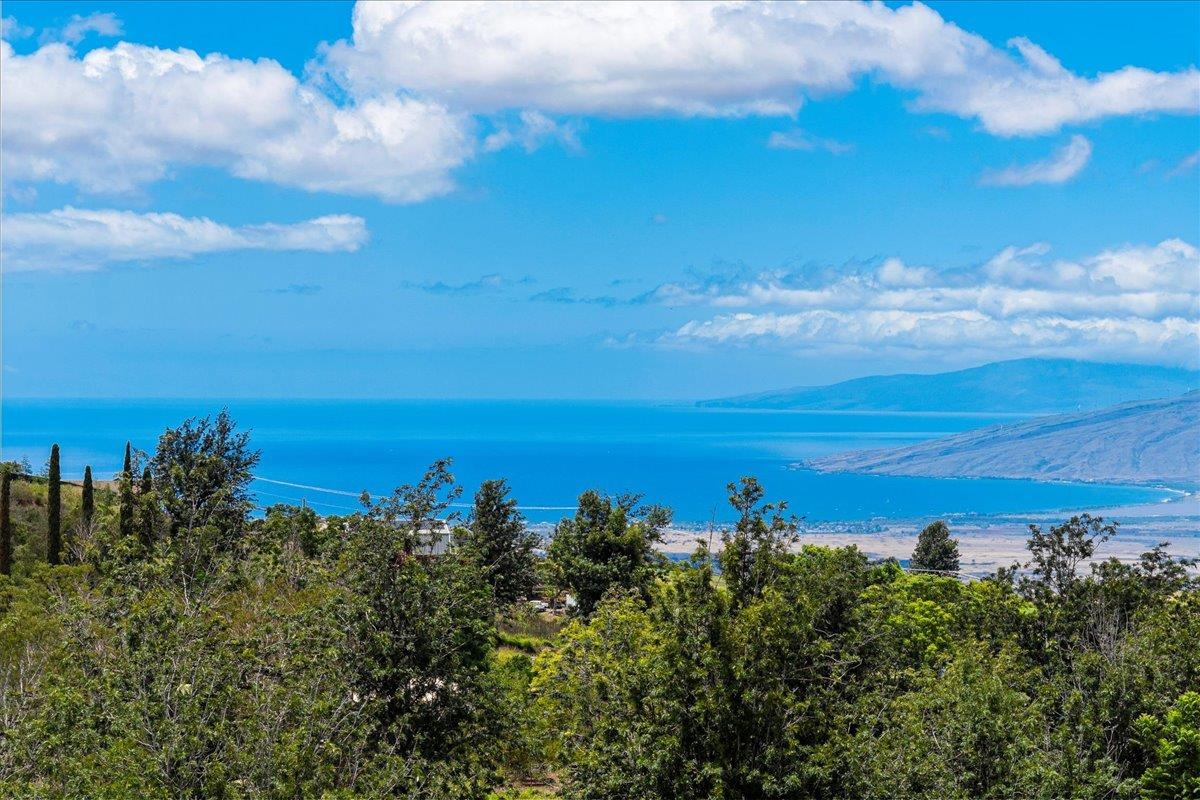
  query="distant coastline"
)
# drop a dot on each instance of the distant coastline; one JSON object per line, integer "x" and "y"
{"x": 1142, "y": 443}
{"x": 990, "y": 541}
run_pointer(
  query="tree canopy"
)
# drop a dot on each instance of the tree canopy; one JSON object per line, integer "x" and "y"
{"x": 282, "y": 654}
{"x": 607, "y": 545}
{"x": 935, "y": 551}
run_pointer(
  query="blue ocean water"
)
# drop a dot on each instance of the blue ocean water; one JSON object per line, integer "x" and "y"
{"x": 677, "y": 455}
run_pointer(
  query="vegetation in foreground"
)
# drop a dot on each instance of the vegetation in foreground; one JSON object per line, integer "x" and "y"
{"x": 184, "y": 648}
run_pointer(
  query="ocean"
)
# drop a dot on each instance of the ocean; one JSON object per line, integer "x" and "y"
{"x": 327, "y": 452}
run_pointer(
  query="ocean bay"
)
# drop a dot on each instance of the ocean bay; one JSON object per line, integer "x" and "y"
{"x": 326, "y": 452}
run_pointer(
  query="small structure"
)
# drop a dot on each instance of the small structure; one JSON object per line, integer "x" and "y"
{"x": 434, "y": 538}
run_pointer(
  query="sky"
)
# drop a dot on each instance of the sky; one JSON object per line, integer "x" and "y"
{"x": 618, "y": 201}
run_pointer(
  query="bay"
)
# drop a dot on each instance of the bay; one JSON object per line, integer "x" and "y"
{"x": 327, "y": 452}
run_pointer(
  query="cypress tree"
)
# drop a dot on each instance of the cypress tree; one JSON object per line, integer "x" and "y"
{"x": 54, "y": 512}
{"x": 146, "y": 498}
{"x": 5, "y": 525}
{"x": 126, "y": 492}
{"x": 88, "y": 506}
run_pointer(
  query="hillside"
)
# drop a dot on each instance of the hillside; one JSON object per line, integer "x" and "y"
{"x": 1156, "y": 441}
{"x": 1026, "y": 386}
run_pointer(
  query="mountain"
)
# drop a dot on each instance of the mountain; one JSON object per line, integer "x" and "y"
{"x": 1149, "y": 441}
{"x": 1025, "y": 386}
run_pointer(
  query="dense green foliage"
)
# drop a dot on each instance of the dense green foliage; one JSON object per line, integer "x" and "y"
{"x": 6, "y": 541}
{"x": 752, "y": 552}
{"x": 839, "y": 678}
{"x": 608, "y": 544}
{"x": 196, "y": 650}
{"x": 502, "y": 547}
{"x": 935, "y": 551}
{"x": 1173, "y": 747}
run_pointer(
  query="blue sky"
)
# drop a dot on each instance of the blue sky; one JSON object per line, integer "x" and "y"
{"x": 666, "y": 201}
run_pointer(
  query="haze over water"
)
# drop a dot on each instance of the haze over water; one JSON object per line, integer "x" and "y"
{"x": 677, "y": 455}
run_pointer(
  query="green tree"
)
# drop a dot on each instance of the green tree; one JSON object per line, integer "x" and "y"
{"x": 1058, "y": 553}
{"x": 147, "y": 509}
{"x": 605, "y": 690}
{"x": 1174, "y": 746}
{"x": 963, "y": 733}
{"x": 935, "y": 550}
{"x": 422, "y": 636}
{"x": 286, "y": 526}
{"x": 752, "y": 551}
{"x": 125, "y": 491}
{"x": 54, "y": 510}
{"x": 6, "y": 538}
{"x": 608, "y": 544}
{"x": 202, "y": 469}
{"x": 495, "y": 536}
{"x": 88, "y": 502}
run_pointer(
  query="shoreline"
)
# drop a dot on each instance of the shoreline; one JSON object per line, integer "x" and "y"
{"x": 988, "y": 542}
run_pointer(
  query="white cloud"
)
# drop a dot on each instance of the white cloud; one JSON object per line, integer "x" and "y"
{"x": 1140, "y": 302}
{"x": 73, "y": 238}
{"x": 797, "y": 139}
{"x": 121, "y": 117}
{"x": 532, "y": 130}
{"x": 895, "y": 272}
{"x": 1173, "y": 340}
{"x": 394, "y": 111}
{"x": 1062, "y": 165}
{"x": 728, "y": 59}
{"x": 11, "y": 29}
{"x": 77, "y": 29}
{"x": 1186, "y": 164}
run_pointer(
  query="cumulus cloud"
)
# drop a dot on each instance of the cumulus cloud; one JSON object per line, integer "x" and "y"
{"x": 395, "y": 110}
{"x": 1137, "y": 301}
{"x": 797, "y": 139}
{"x": 79, "y": 239}
{"x": 728, "y": 59}
{"x": 1062, "y": 165}
{"x": 121, "y": 117}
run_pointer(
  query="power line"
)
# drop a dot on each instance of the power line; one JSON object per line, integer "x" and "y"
{"x": 345, "y": 493}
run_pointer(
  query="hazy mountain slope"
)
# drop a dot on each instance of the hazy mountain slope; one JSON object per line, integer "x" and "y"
{"x": 1029, "y": 386}
{"x": 1156, "y": 441}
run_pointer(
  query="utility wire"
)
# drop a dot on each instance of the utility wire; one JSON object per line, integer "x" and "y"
{"x": 345, "y": 493}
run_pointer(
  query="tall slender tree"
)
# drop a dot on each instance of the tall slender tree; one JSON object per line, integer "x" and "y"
{"x": 147, "y": 511}
{"x": 5, "y": 524}
{"x": 126, "y": 492}
{"x": 54, "y": 511}
{"x": 88, "y": 505}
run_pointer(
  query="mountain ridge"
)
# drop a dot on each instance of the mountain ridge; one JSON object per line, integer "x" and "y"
{"x": 1142, "y": 442}
{"x": 1029, "y": 386}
